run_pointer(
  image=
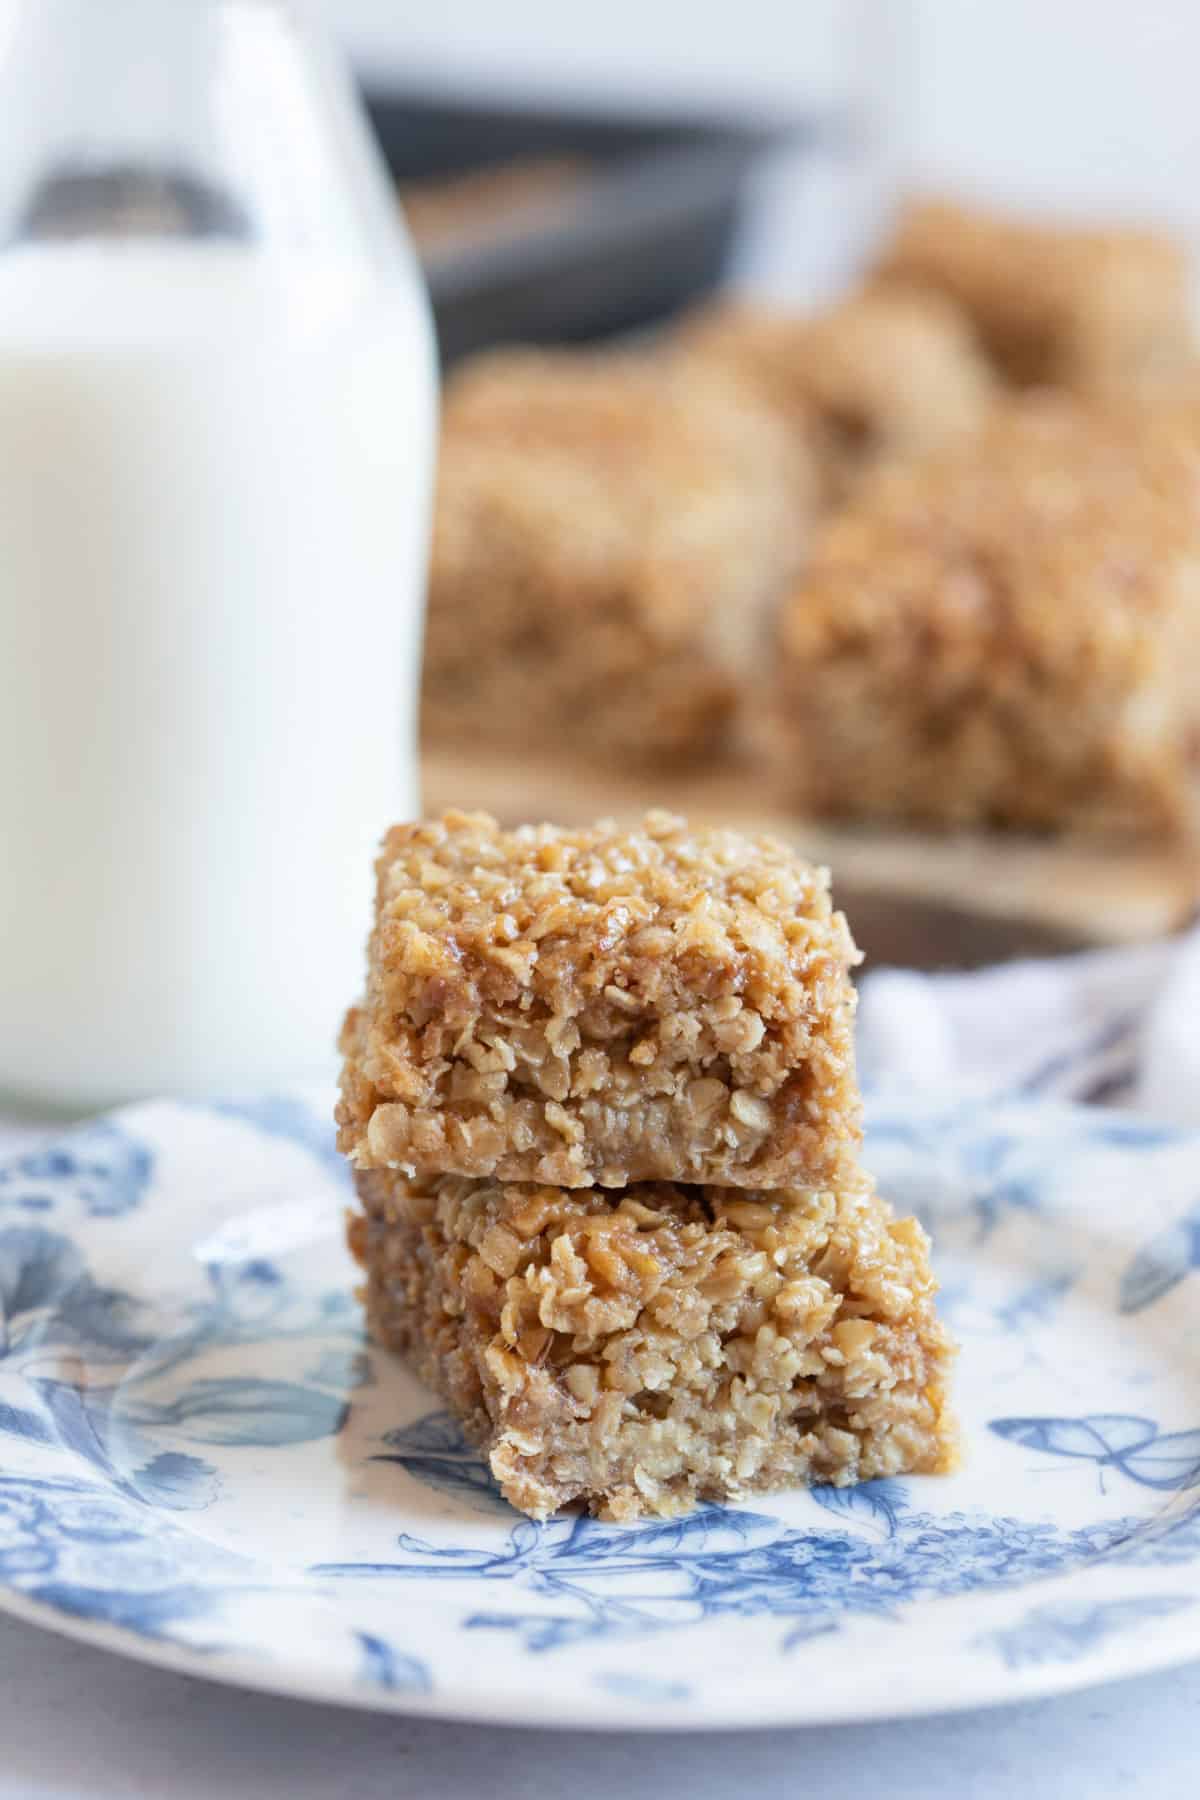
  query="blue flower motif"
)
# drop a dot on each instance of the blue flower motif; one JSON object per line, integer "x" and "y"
{"x": 94, "y": 1519}
{"x": 85, "y": 1549}
{"x": 625, "y": 1581}
{"x": 99, "y": 1165}
{"x": 18, "y": 1513}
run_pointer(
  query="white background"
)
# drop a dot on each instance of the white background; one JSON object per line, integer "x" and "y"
{"x": 1085, "y": 107}
{"x": 1065, "y": 104}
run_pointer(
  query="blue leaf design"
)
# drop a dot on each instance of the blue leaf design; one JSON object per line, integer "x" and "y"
{"x": 448, "y": 1563}
{"x": 384, "y": 1667}
{"x": 709, "y": 1532}
{"x": 177, "y": 1482}
{"x": 41, "y": 1269}
{"x": 36, "y": 1267}
{"x": 881, "y": 1501}
{"x": 437, "y": 1433}
{"x": 464, "y": 1478}
{"x": 433, "y": 1450}
{"x": 18, "y": 1423}
{"x": 1162, "y": 1264}
{"x": 242, "y": 1410}
{"x": 78, "y": 1418}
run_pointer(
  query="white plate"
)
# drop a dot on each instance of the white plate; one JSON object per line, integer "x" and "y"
{"x": 203, "y": 1465}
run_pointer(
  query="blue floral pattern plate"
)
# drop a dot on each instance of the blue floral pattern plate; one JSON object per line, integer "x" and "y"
{"x": 202, "y": 1463}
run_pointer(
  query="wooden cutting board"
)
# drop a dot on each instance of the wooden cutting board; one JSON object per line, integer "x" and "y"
{"x": 912, "y": 898}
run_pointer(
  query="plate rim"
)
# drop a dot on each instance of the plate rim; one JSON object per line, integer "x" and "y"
{"x": 240, "y": 1670}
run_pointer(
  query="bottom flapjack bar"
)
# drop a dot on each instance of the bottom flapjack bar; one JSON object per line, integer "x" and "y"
{"x": 649, "y": 1349}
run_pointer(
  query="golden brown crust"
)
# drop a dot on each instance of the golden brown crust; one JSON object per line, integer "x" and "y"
{"x": 610, "y": 540}
{"x": 1092, "y": 310}
{"x": 1006, "y": 635}
{"x": 875, "y": 379}
{"x": 646, "y": 1350}
{"x": 602, "y": 1006}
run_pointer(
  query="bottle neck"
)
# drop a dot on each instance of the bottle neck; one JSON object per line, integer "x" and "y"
{"x": 193, "y": 118}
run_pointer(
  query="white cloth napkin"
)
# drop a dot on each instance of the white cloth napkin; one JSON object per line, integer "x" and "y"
{"x": 1109, "y": 1027}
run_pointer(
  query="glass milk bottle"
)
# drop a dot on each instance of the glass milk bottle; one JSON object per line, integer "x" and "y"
{"x": 217, "y": 423}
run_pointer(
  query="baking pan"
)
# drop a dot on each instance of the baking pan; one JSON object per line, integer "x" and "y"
{"x": 647, "y": 231}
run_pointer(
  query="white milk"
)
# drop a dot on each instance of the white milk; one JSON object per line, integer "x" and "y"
{"x": 214, "y": 486}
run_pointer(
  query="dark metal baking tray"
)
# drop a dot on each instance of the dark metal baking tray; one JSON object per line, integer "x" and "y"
{"x": 649, "y": 233}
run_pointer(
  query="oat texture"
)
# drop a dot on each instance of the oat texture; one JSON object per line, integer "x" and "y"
{"x": 645, "y": 1350}
{"x": 611, "y": 537}
{"x": 1006, "y": 635}
{"x": 602, "y": 1006}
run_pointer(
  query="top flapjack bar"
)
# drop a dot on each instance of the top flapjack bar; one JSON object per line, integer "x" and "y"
{"x": 602, "y": 1006}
